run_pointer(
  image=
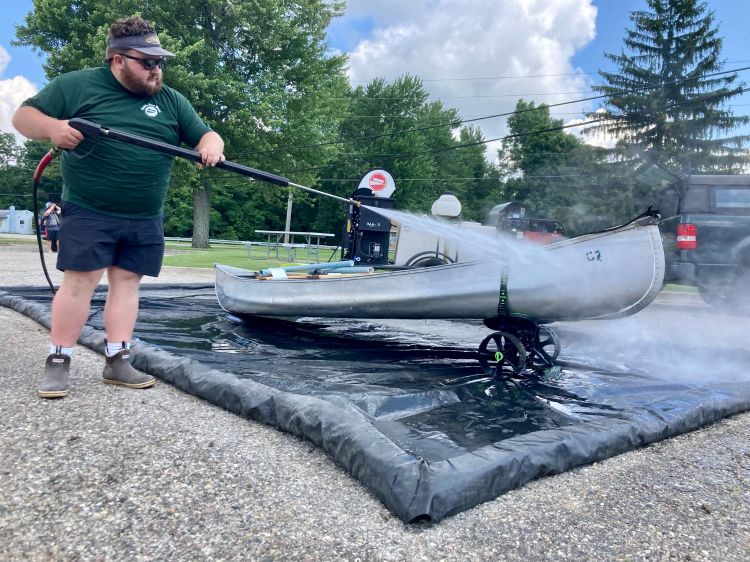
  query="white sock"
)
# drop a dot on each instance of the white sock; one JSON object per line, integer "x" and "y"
{"x": 63, "y": 350}
{"x": 115, "y": 348}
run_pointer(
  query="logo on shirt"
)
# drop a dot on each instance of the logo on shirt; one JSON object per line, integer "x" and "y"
{"x": 150, "y": 109}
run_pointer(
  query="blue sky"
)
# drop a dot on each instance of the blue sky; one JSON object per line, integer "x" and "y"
{"x": 475, "y": 55}
{"x": 23, "y": 61}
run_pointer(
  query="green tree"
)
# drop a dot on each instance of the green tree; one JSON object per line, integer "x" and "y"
{"x": 260, "y": 73}
{"x": 396, "y": 127}
{"x": 539, "y": 159}
{"x": 560, "y": 177}
{"x": 666, "y": 97}
{"x": 469, "y": 176}
{"x": 13, "y": 189}
{"x": 17, "y": 166}
{"x": 9, "y": 150}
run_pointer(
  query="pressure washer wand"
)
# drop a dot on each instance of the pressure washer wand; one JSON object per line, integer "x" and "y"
{"x": 94, "y": 131}
{"x": 332, "y": 196}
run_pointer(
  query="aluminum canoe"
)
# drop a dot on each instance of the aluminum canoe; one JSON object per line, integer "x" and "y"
{"x": 602, "y": 275}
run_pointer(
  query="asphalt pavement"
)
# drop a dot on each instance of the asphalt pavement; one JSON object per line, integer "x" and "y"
{"x": 116, "y": 474}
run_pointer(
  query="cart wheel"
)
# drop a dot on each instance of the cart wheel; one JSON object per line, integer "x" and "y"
{"x": 500, "y": 352}
{"x": 545, "y": 349}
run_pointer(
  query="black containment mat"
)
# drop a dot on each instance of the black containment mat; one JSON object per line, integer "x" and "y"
{"x": 404, "y": 406}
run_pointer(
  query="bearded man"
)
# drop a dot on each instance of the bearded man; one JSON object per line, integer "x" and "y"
{"x": 113, "y": 194}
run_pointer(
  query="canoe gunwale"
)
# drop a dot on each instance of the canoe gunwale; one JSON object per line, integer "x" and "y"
{"x": 625, "y": 281}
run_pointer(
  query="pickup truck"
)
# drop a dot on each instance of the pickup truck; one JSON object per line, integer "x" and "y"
{"x": 705, "y": 229}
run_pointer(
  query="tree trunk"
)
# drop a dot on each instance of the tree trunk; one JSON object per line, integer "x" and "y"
{"x": 201, "y": 217}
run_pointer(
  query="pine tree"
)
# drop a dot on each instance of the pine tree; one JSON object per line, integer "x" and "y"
{"x": 669, "y": 98}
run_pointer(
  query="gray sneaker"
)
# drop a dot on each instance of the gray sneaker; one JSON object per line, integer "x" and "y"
{"x": 118, "y": 370}
{"x": 54, "y": 381}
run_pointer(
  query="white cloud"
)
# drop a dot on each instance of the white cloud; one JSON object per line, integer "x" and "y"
{"x": 12, "y": 92}
{"x": 595, "y": 138}
{"x": 439, "y": 39}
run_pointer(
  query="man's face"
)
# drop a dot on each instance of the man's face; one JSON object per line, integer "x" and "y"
{"x": 138, "y": 79}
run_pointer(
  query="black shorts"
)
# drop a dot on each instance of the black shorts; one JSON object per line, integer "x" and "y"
{"x": 91, "y": 241}
{"x": 52, "y": 235}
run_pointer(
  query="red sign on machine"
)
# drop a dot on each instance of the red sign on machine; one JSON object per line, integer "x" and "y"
{"x": 378, "y": 182}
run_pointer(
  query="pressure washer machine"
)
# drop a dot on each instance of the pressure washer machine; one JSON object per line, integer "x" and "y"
{"x": 367, "y": 236}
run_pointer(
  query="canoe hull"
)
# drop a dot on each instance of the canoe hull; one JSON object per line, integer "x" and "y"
{"x": 608, "y": 274}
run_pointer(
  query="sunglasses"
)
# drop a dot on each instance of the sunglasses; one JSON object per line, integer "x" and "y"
{"x": 148, "y": 64}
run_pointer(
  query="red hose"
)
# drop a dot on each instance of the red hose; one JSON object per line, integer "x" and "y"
{"x": 37, "y": 178}
{"x": 44, "y": 162}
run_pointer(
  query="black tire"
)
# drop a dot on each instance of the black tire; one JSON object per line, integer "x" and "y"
{"x": 715, "y": 294}
{"x": 545, "y": 350}
{"x": 740, "y": 298}
{"x": 502, "y": 354}
{"x": 732, "y": 296}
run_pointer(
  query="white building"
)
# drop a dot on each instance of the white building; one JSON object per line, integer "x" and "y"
{"x": 16, "y": 222}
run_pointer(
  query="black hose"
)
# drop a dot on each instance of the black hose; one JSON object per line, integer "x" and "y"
{"x": 422, "y": 256}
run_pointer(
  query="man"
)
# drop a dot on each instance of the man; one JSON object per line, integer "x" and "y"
{"x": 113, "y": 194}
{"x": 51, "y": 222}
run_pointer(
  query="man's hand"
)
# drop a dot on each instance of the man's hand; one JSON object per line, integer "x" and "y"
{"x": 34, "y": 124}
{"x": 211, "y": 148}
{"x": 65, "y": 136}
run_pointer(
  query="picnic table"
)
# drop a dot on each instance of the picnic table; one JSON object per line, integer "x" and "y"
{"x": 276, "y": 241}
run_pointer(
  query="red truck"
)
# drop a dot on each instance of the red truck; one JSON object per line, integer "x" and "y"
{"x": 511, "y": 217}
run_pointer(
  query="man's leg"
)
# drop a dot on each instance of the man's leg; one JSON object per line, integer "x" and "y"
{"x": 120, "y": 314}
{"x": 121, "y": 308}
{"x": 70, "y": 309}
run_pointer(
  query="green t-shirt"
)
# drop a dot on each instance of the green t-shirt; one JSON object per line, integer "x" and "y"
{"x": 118, "y": 179}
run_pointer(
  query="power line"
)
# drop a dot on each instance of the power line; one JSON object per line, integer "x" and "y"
{"x": 486, "y": 141}
{"x": 517, "y": 76}
{"x": 454, "y": 124}
{"x": 468, "y": 79}
{"x": 435, "y": 180}
{"x": 466, "y": 145}
{"x": 609, "y": 118}
{"x": 478, "y": 97}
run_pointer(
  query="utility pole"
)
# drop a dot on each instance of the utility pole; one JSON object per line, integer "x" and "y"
{"x": 288, "y": 226}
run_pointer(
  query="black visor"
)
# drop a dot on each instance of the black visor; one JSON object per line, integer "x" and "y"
{"x": 147, "y": 44}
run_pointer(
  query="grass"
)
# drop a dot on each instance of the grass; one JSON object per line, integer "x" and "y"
{"x": 679, "y": 288}
{"x": 180, "y": 254}
{"x": 14, "y": 240}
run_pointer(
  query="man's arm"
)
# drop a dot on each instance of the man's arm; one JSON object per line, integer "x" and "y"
{"x": 211, "y": 147}
{"x": 35, "y": 125}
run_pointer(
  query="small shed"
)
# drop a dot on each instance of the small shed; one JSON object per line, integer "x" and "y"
{"x": 14, "y": 221}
